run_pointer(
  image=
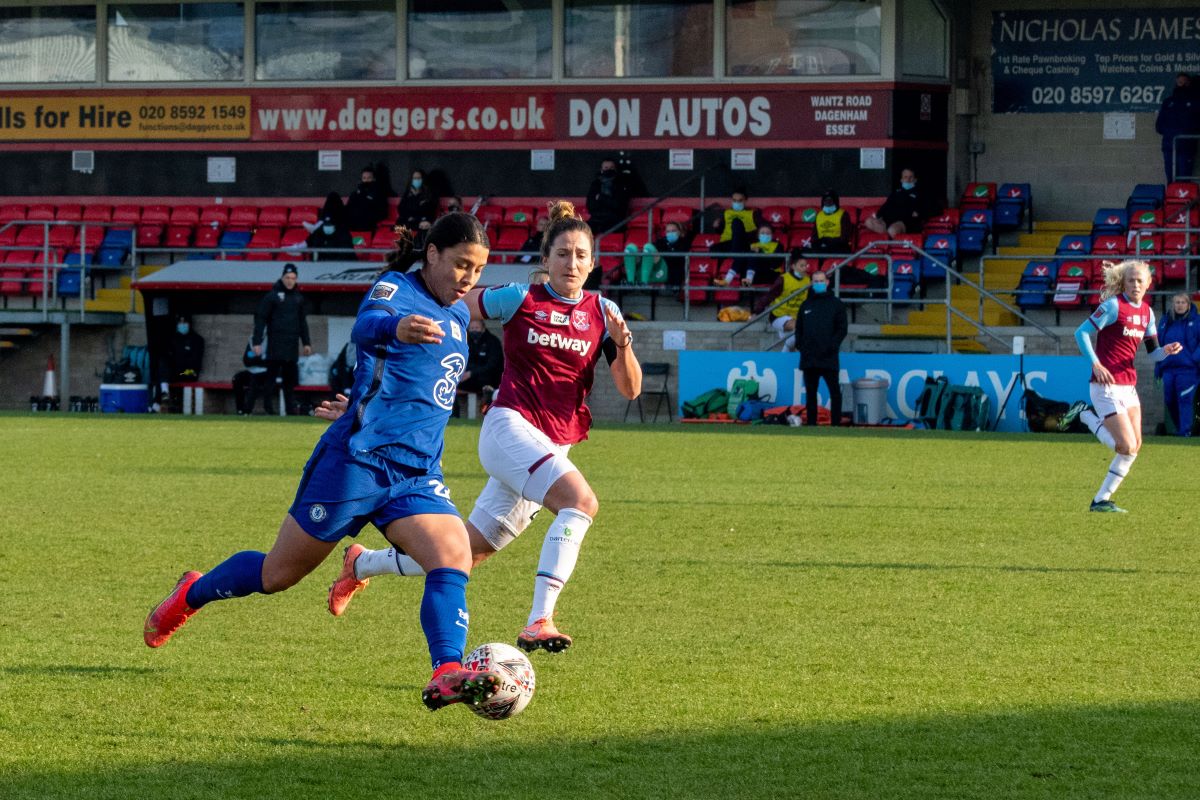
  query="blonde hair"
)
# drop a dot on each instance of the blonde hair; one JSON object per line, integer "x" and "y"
{"x": 563, "y": 218}
{"x": 1114, "y": 276}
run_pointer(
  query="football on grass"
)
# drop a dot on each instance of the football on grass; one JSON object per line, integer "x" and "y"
{"x": 516, "y": 679}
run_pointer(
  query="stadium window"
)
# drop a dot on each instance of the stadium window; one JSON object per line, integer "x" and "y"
{"x": 176, "y": 42}
{"x": 479, "y": 39}
{"x": 43, "y": 44}
{"x": 923, "y": 39}
{"x": 638, "y": 39}
{"x": 802, "y": 37}
{"x": 353, "y": 40}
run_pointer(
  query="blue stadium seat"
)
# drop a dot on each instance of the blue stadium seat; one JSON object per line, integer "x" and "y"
{"x": 73, "y": 259}
{"x": 1074, "y": 244}
{"x": 118, "y": 238}
{"x": 940, "y": 246}
{"x": 1146, "y": 197}
{"x": 1013, "y": 202}
{"x": 69, "y": 282}
{"x": 974, "y": 231}
{"x": 1109, "y": 221}
{"x": 906, "y": 275}
{"x": 113, "y": 256}
{"x": 235, "y": 241}
{"x": 1037, "y": 280}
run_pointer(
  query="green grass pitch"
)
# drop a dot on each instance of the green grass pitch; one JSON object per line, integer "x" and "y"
{"x": 757, "y": 613}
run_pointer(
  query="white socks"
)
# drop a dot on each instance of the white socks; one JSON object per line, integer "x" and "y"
{"x": 385, "y": 562}
{"x": 1096, "y": 426}
{"x": 1117, "y": 471}
{"x": 560, "y": 551}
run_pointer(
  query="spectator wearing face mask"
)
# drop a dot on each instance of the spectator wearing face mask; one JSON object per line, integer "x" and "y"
{"x": 674, "y": 240}
{"x": 820, "y": 329}
{"x": 533, "y": 245}
{"x": 904, "y": 211}
{"x": 367, "y": 205}
{"x": 783, "y": 317}
{"x": 281, "y": 320}
{"x": 757, "y": 270}
{"x": 454, "y": 204}
{"x": 418, "y": 207}
{"x": 833, "y": 228}
{"x": 331, "y": 240}
{"x": 608, "y": 199}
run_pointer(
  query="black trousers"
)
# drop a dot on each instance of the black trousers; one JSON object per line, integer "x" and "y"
{"x": 282, "y": 375}
{"x": 248, "y": 387}
{"x": 812, "y": 378}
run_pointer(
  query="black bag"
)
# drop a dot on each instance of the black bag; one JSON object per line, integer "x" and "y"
{"x": 341, "y": 371}
{"x": 249, "y": 359}
{"x": 123, "y": 372}
{"x": 1043, "y": 414}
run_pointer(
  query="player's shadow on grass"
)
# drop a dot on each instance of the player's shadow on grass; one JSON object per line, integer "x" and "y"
{"x": 1119, "y": 751}
{"x": 919, "y": 567}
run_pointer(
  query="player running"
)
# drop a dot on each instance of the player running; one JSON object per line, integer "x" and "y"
{"x": 554, "y": 334}
{"x": 1120, "y": 321}
{"x": 381, "y": 462}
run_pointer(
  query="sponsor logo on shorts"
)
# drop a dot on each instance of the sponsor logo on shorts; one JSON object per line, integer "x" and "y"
{"x": 383, "y": 291}
{"x": 317, "y": 513}
{"x": 581, "y": 346}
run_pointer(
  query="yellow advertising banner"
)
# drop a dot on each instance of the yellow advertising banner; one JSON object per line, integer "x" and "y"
{"x": 131, "y": 118}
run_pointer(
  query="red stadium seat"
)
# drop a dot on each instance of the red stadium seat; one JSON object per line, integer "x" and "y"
{"x": 129, "y": 214}
{"x": 185, "y": 215}
{"x": 301, "y": 214}
{"x": 680, "y": 215}
{"x": 1147, "y": 245}
{"x": 730, "y": 294}
{"x": 40, "y": 211}
{"x": 97, "y": 213}
{"x": 945, "y": 222}
{"x": 8, "y": 238}
{"x": 63, "y": 236}
{"x": 1147, "y": 218}
{"x": 34, "y": 279}
{"x": 801, "y": 238}
{"x": 265, "y": 238}
{"x": 978, "y": 195}
{"x": 273, "y": 216}
{"x": 866, "y": 237}
{"x": 383, "y": 238}
{"x": 704, "y": 242}
{"x": 178, "y": 235}
{"x": 906, "y": 243}
{"x": 72, "y": 212}
{"x": 1183, "y": 218}
{"x": 12, "y": 281}
{"x": 214, "y": 213}
{"x": 31, "y": 236}
{"x": 490, "y": 215}
{"x": 1109, "y": 245}
{"x": 1074, "y": 278}
{"x": 778, "y": 217}
{"x": 243, "y": 218}
{"x": 11, "y": 211}
{"x": 611, "y": 244}
{"x": 807, "y": 215}
{"x": 20, "y": 257}
{"x": 701, "y": 272}
{"x": 510, "y": 238}
{"x": 520, "y": 215}
{"x": 294, "y": 236}
{"x": 90, "y": 237}
{"x": 156, "y": 215}
{"x": 207, "y": 236}
{"x": 149, "y": 235}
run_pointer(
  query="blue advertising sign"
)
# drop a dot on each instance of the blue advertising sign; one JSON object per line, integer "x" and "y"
{"x": 779, "y": 378}
{"x": 1090, "y": 61}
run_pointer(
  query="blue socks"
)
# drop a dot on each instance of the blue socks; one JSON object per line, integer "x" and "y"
{"x": 236, "y": 576}
{"x": 444, "y": 615}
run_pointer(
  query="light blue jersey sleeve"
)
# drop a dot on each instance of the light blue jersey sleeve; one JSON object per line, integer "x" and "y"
{"x": 1105, "y": 314}
{"x": 1152, "y": 328}
{"x": 502, "y": 302}
{"x": 608, "y": 305}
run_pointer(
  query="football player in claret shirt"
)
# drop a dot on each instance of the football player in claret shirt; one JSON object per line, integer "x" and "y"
{"x": 381, "y": 462}
{"x": 1120, "y": 323}
{"x": 554, "y": 335}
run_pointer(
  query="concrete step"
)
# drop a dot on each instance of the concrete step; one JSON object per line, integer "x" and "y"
{"x": 116, "y": 300}
{"x": 1061, "y": 226}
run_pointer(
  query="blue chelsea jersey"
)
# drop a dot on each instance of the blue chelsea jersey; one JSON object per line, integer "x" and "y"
{"x": 403, "y": 393}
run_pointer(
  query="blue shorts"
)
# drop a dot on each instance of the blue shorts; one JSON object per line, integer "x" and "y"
{"x": 339, "y": 494}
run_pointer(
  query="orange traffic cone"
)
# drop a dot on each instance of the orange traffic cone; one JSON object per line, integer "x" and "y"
{"x": 50, "y": 382}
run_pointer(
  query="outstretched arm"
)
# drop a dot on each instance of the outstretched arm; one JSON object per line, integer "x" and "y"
{"x": 626, "y": 371}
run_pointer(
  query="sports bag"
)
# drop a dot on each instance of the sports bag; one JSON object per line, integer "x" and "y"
{"x": 964, "y": 408}
{"x": 713, "y": 401}
{"x": 743, "y": 389}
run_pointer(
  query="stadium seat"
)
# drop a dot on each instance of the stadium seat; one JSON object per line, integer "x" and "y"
{"x": 490, "y": 215}
{"x": 8, "y": 238}
{"x": 242, "y": 218}
{"x": 1177, "y": 244}
{"x": 302, "y": 214}
{"x": 511, "y": 238}
{"x": 156, "y": 215}
{"x": 520, "y": 215}
{"x": 906, "y": 276}
{"x": 611, "y": 244}
{"x": 1033, "y": 290}
{"x": 97, "y": 213}
{"x": 178, "y": 236}
{"x": 704, "y": 242}
{"x": 1074, "y": 244}
{"x": 974, "y": 231}
{"x": 978, "y": 195}
{"x": 869, "y": 238}
{"x": 90, "y": 238}
{"x": 1146, "y": 245}
{"x": 69, "y": 282}
{"x": 1145, "y": 197}
{"x": 778, "y": 217}
{"x": 19, "y": 257}
{"x": 299, "y": 235}
{"x": 112, "y": 256}
{"x": 1110, "y": 245}
{"x": 680, "y": 215}
{"x": 63, "y": 236}
{"x": 1074, "y": 278}
{"x": 905, "y": 245}
{"x": 1146, "y": 218}
{"x": 10, "y": 212}
{"x": 42, "y": 212}
{"x": 806, "y": 215}
{"x": 940, "y": 246}
{"x": 31, "y": 236}
{"x": 118, "y": 237}
{"x": 128, "y": 214}
{"x": 149, "y": 235}
{"x": 945, "y": 222}
{"x": 185, "y": 215}
{"x": 265, "y": 239}
{"x": 1181, "y": 193}
{"x": 74, "y": 258}
{"x": 1013, "y": 202}
{"x": 207, "y": 236}
{"x": 273, "y": 216}
{"x": 71, "y": 212}
{"x": 864, "y": 267}
{"x": 730, "y": 294}
{"x": 214, "y": 213}
{"x": 1183, "y": 217}
{"x": 701, "y": 272}
{"x": 1110, "y": 221}
{"x": 233, "y": 242}
{"x": 34, "y": 280}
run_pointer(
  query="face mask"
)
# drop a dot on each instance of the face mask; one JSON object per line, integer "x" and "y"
{"x": 907, "y": 185}
{"x": 829, "y": 209}
{"x": 327, "y": 230}
{"x": 474, "y": 336}
{"x": 454, "y": 209}
{"x": 672, "y": 237}
{"x": 738, "y": 206}
{"x": 183, "y": 328}
{"x": 608, "y": 173}
{"x": 764, "y": 238}
{"x": 820, "y": 288}
{"x": 416, "y": 183}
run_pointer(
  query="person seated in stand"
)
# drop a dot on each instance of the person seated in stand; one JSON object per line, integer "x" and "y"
{"x": 367, "y": 205}
{"x": 833, "y": 229}
{"x": 756, "y": 270}
{"x": 332, "y": 241}
{"x": 904, "y": 211}
{"x": 783, "y": 317}
{"x": 533, "y": 245}
{"x": 485, "y": 362}
{"x": 185, "y": 356}
{"x": 418, "y": 207}
{"x": 734, "y": 224}
{"x": 250, "y": 383}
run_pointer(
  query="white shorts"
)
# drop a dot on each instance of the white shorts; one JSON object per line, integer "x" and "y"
{"x": 1113, "y": 398}
{"x": 522, "y": 464}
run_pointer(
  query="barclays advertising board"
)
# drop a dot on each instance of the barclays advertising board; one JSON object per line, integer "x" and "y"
{"x": 1122, "y": 59}
{"x": 778, "y": 375}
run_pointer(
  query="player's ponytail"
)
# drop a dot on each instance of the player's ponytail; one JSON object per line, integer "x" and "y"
{"x": 1114, "y": 276}
{"x": 403, "y": 256}
{"x": 564, "y": 219}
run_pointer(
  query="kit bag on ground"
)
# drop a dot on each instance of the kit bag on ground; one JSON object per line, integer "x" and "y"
{"x": 742, "y": 389}
{"x": 964, "y": 408}
{"x": 714, "y": 401}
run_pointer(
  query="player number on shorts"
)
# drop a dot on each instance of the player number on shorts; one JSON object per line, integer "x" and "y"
{"x": 440, "y": 489}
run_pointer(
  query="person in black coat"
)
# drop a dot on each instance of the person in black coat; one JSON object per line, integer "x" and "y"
{"x": 485, "y": 359}
{"x": 332, "y": 237}
{"x": 367, "y": 205}
{"x": 608, "y": 198}
{"x": 1179, "y": 114}
{"x": 185, "y": 352}
{"x": 281, "y": 317}
{"x": 904, "y": 211}
{"x": 820, "y": 330}
{"x": 418, "y": 207}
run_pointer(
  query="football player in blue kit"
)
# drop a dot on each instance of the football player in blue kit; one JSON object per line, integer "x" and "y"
{"x": 380, "y": 463}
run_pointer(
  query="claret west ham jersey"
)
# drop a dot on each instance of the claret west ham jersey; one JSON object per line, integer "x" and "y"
{"x": 1121, "y": 327}
{"x": 551, "y": 347}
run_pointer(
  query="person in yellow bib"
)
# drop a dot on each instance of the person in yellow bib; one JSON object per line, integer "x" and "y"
{"x": 833, "y": 229}
{"x": 791, "y": 287}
